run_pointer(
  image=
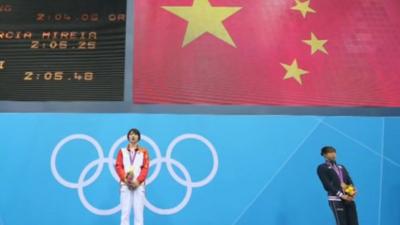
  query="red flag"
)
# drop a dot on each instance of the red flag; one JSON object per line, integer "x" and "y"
{"x": 288, "y": 53}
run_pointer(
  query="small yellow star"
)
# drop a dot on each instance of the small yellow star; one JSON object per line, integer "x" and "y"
{"x": 293, "y": 71}
{"x": 316, "y": 44}
{"x": 203, "y": 18}
{"x": 303, "y": 7}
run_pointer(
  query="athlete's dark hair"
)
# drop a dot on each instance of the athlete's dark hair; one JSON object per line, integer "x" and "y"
{"x": 327, "y": 149}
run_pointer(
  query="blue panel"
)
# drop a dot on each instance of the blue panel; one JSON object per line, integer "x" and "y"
{"x": 265, "y": 168}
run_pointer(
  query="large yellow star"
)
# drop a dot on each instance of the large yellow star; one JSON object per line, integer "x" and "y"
{"x": 203, "y": 18}
{"x": 303, "y": 7}
{"x": 293, "y": 71}
{"x": 316, "y": 44}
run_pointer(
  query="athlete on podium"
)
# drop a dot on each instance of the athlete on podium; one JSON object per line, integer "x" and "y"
{"x": 132, "y": 166}
{"x": 339, "y": 185}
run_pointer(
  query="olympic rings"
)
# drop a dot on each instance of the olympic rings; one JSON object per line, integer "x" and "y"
{"x": 157, "y": 162}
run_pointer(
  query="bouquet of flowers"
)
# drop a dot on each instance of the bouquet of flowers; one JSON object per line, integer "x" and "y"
{"x": 350, "y": 190}
{"x": 129, "y": 178}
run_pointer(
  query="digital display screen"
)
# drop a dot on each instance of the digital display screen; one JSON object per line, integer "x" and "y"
{"x": 62, "y": 50}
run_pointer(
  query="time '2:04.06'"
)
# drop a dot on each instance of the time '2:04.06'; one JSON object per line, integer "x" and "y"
{"x": 59, "y": 76}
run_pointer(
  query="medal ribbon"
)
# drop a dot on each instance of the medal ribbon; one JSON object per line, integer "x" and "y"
{"x": 338, "y": 171}
{"x": 132, "y": 158}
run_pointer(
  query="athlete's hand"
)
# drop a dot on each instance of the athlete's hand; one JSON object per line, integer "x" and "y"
{"x": 135, "y": 184}
{"x": 131, "y": 185}
{"x": 347, "y": 198}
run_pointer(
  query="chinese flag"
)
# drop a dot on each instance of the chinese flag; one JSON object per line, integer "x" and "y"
{"x": 275, "y": 52}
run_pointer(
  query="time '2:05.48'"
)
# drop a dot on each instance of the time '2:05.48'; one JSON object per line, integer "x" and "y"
{"x": 59, "y": 76}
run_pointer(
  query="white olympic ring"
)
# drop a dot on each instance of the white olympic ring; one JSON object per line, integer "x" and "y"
{"x": 157, "y": 161}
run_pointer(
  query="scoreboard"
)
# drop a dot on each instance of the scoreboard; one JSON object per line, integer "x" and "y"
{"x": 62, "y": 50}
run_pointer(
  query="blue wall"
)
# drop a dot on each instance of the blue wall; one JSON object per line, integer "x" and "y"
{"x": 265, "y": 168}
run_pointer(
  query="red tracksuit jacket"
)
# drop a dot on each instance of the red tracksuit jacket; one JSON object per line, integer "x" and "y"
{"x": 119, "y": 166}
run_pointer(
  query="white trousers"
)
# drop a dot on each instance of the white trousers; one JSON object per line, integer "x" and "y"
{"x": 132, "y": 199}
